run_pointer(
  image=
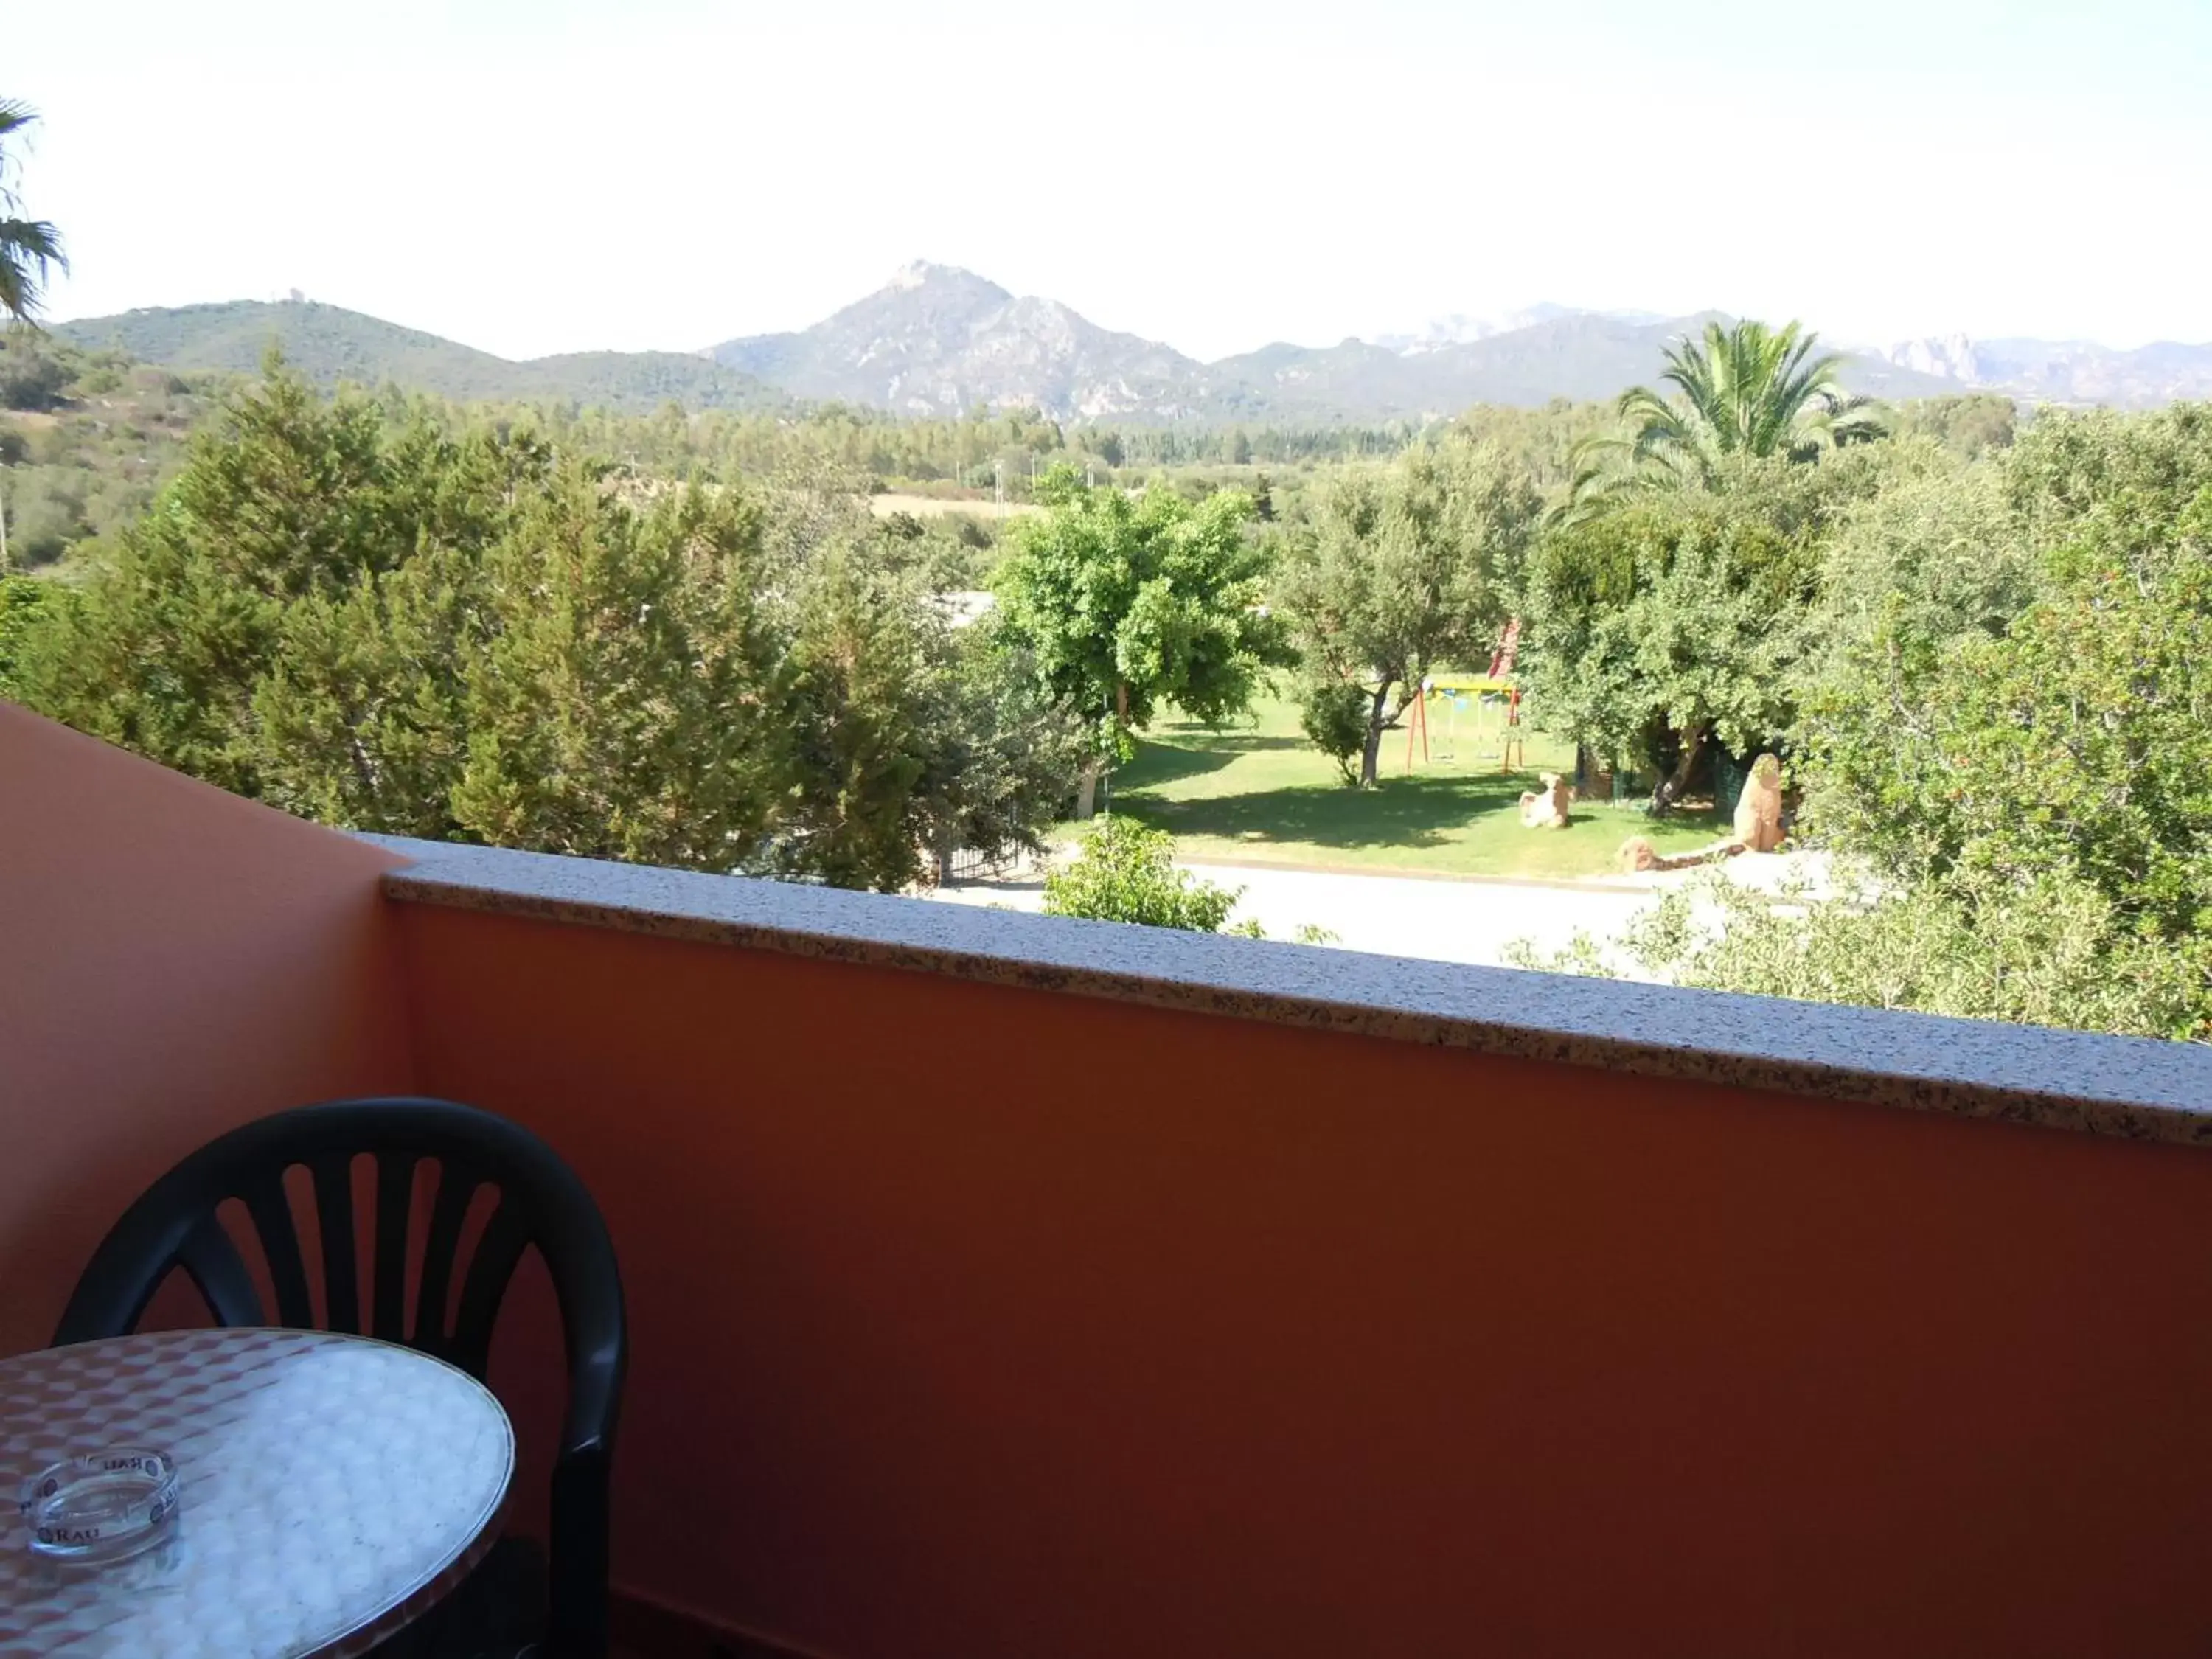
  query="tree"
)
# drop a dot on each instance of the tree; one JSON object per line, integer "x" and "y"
{"x": 1937, "y": 549}
{"x": 863, "y": 661}
{"x": 287, "y": 501}
{"x": 1968, "y": 425}
{"x": 1747, "y": 390}
{"x": 1335, "y": 715}
{"x": 2011, "y": 745}
{"x": 34, "y": 369}
{"x": 2049, "y": 952}
{"x": 627, "y": 704}
{"x": 351, "y": 610}
{"x": 1669, "y": 622}
{"x": 1542, "y": 442}
{"x": 30, "y": 249}
{"x": 1402, "y": 570}
{"x": 1126, "y": 873}
{"x": 23, "y": 603}
{"x": 2075, "y": 735}
{"x": 1005, "y": 756}
{"x": 1124, "y": 603}
{"x": 359, "y": 717}
{"x": 912, "y": 736}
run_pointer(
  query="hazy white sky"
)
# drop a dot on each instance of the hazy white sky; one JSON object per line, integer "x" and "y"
{"x": 551, "y": 175}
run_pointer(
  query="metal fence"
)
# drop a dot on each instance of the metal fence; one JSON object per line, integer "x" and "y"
{"x": 969, "y": 863}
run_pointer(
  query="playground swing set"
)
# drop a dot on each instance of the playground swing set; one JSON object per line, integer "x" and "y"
{"x": 1493, "y": 700}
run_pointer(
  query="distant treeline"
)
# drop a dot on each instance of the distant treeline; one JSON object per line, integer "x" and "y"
{"x": 976, "y": 450}
{"x": 983, "y": 449}
{"x": 87, "y": 437}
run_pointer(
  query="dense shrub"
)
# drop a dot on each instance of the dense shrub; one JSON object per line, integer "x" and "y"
{"x": 1126, "y": 873}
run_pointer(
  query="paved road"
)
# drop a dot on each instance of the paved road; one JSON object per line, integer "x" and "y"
{"x": 1397, "y": 916}
{"x": 1443, "y": 920}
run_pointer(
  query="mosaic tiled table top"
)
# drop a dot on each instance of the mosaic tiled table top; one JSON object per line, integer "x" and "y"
{"x": 334, "y": 1488}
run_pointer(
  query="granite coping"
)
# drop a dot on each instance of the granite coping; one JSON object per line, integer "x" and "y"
{"x": 2131, "y": 1087}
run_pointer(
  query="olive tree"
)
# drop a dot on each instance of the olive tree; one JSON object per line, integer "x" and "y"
{"x": 1401, "y": 571}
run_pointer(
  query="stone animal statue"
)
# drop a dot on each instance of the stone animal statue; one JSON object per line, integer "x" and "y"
{"x": 1758, "y": 810}
{"x": 1637, "y": 855}
{"x": 1758, "y": 826}
{"x": 1547, "y": 809}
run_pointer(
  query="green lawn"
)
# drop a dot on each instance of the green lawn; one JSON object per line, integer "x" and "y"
{"x": 1262, "y": 792}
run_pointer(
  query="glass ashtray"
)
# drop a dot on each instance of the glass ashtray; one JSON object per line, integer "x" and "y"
{"x": 102, "y": 1506}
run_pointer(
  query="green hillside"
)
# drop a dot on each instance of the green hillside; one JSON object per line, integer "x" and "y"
{"x": 330, "y": 344}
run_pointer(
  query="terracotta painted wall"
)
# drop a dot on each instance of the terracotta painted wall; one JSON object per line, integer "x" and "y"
{"x": 976, "y": 1321}
{"x": 173, "y": 960}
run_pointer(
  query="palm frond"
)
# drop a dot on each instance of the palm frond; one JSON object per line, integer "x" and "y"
{"x": 30, "y": 249}
{"x": 1741, "y": 390}
{"x": 30, "y": 252}
{"x": 15, "y": 116}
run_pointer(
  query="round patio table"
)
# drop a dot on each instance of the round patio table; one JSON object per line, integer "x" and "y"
{"x": 333, "y": 1489}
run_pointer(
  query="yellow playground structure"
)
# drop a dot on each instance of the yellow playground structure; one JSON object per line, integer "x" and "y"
{"x": 1482, "y": 711}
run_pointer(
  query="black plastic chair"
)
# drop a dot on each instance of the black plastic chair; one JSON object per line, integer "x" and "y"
{"x": 540, "y": 1202}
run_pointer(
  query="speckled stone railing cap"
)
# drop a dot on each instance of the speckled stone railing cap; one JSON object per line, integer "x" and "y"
{"x": 2134, "y": 1088}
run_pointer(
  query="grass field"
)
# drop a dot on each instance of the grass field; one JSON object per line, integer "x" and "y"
{"x": 1262, "y": 792}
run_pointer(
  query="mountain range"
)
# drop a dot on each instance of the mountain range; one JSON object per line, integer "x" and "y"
{"x": 2076, "y": 372}
{"x": 329, "y": 344}
{"x": 939, "y": 341}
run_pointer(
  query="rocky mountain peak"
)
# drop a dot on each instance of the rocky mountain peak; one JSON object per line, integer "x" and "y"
{"x": 1946, "y": 357}
{"x": 921, "y": 277}
{"x": 939, "y": 340}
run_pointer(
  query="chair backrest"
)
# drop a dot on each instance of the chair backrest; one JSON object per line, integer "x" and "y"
{"x": 540, "y": 1202}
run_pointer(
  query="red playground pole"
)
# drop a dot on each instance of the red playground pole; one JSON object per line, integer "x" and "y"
{"x": 1420, "y": 718}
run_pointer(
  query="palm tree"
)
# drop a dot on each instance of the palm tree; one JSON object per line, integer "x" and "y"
{"x": 1748, "y": 391}
{"x": 30, "y": 249}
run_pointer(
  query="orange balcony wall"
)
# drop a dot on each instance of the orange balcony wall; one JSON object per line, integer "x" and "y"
{"x": 988, "y": 1311}
{"x": 173, "y": 961}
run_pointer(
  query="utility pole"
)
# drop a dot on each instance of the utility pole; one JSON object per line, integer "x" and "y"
{"x": 4, "y": 533}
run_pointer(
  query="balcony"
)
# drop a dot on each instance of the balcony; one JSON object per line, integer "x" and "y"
{"x": 1009, "y": 1286}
